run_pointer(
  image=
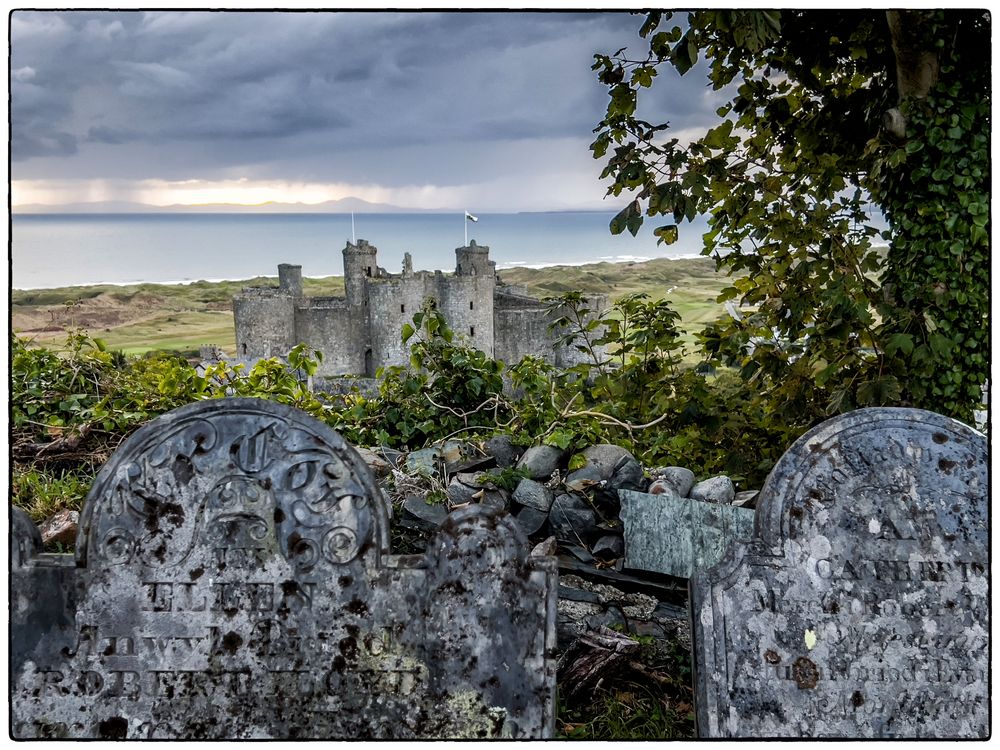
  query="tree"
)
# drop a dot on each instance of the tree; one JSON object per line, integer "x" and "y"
{"x": 831, "y": 120}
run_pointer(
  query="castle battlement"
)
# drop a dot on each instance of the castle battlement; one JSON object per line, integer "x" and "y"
{"x": 360, "y": 332}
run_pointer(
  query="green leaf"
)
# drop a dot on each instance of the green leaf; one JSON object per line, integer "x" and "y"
{"x": 667, "y": 234}
{"x": 902, "y": 342}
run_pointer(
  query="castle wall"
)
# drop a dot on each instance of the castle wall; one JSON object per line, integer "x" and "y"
{"x": 522, "y": 328}
{"x": 393, "y": 302}
{"x": 338, "y": 330}
{"x": 467, "y": 304}
{"x": 519, "y": 331}
{"x": 265, "y": 323}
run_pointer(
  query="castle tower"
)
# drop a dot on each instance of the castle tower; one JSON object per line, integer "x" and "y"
{"x": 473, "y": 260}
{"x": 290, "y": 279}
{"x": 359, "y": 266}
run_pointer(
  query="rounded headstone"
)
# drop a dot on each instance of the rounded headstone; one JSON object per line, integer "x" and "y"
{"x": 860, "y": 608}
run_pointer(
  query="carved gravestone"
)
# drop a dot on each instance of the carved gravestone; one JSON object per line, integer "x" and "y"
{"x": 860, "y": 608}
{"x": 233, "y": 580}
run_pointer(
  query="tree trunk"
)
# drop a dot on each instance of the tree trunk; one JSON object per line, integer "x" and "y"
{"x": 917, "y": 64}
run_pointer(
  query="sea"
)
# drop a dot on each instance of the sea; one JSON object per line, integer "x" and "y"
{"x": 56, "y": 250}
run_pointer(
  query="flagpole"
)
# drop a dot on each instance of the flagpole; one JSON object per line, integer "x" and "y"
{"x": 465, "y": 224}
{"x": 354, "y": 240}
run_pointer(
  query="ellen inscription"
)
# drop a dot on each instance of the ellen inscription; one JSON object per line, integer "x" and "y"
{"x": 233, "y": 580}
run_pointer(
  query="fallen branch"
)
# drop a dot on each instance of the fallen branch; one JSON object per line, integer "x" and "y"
{"x": 593, "y": 656}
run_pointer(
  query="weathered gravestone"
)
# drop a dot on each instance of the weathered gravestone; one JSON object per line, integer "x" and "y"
{"x": 666, "y": 533}
{"x": 233, "y": 580}
{"x": 860, "y": 607}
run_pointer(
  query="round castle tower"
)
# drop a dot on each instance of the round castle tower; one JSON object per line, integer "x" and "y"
{"x": 473, "y": 260}
{"x": 360, "y": 264}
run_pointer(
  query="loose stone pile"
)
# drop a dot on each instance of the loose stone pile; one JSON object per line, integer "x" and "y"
{"x": 575, "y": 498}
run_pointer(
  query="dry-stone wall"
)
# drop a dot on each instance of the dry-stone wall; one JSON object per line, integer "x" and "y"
{"x": 233, "y": 579}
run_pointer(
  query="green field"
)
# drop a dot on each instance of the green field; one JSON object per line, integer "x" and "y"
{"x": 183, "y": 317}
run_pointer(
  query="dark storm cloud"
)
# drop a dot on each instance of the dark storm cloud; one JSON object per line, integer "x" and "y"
{"x": 318, "y": 91}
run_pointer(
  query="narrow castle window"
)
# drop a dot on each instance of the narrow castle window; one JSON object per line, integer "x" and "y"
{"x": 472, "y": 330}
{"x": 470, "y": 304}
{"x": 402, "y": 308}
{"x": 369, "y": 271}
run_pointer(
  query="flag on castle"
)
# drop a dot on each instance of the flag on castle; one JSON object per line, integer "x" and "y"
{"x": 468, "y": 217}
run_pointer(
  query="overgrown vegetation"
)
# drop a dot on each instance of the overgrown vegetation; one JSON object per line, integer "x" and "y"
{"x": 71, "y": 409}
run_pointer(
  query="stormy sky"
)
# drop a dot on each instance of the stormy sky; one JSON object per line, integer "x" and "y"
{"x": 490, "y": 111}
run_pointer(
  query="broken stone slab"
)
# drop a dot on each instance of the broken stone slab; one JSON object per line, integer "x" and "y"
{"x": 533, "y": 494}
{"x": 60, "y": 528}
{"x": 540, "y": 461}
{"x": 715, "y": 490}
{"x": 680, "y": 535}
{"x": 746, "y": 499}
{"x": 572, "y": 519}
{"x": 423, "y": 462}
{"x": 678, "y": 478}
{"x": 860, "y": 608}
{"x": 233, "y": 580}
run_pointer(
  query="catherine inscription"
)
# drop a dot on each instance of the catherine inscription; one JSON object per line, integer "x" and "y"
{"x": 860, "y": 607}
{"x": 234, "y": 581}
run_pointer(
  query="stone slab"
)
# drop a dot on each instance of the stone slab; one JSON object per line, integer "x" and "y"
{"x": 860, "y": 608}
{"x": 233, "y": 579}
{"x": 675, "y": 535}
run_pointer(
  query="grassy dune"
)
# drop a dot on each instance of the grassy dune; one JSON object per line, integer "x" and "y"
{"x": 183, "y": 317}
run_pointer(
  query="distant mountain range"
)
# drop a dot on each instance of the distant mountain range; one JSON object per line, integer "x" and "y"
{"x": 339, "y": 206}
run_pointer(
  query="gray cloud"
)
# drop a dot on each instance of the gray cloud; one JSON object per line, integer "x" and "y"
{"x": 396, "y": 97}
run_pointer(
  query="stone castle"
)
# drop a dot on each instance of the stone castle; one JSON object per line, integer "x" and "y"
{"x": 361, "y": 331}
